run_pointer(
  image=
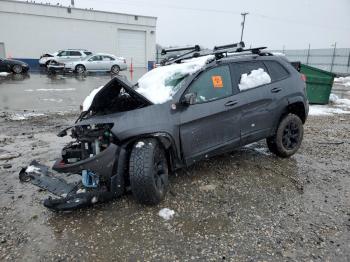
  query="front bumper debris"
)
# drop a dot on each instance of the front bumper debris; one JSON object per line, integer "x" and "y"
{"x": 109, "y": 164}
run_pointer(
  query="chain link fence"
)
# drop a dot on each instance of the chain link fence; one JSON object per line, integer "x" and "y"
{"x": 336, "y": 60}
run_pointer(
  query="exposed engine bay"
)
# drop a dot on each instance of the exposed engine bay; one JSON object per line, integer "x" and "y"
{"x": 89, "y": 141}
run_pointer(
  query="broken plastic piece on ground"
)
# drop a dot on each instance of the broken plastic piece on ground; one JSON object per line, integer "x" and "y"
{"x": 40, "y": 176}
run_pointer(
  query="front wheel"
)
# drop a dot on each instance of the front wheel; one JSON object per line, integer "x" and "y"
{"x": 288, "y": 137}
{"x": 80, "y": 69}
{"x": 115, "y": 69}
{"x": 17, "y": 69}
{"x": 148, "y": 170}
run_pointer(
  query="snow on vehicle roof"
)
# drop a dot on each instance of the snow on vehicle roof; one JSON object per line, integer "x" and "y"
{"x": 156, "y": 84}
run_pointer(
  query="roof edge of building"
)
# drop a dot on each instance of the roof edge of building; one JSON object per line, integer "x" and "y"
{"x": 76, "y": 8}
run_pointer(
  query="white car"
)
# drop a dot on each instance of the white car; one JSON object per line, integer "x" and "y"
{"x": 46, "y": 58}
{"x": 63, "y": 56}
{"x": 97, "y": 62}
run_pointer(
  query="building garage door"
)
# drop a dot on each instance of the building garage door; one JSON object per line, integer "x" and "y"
{"x": 132, "y": 45}
{"x": 2, "y": 50}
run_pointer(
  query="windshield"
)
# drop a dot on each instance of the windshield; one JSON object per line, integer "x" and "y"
{"x": 162, "y": 83}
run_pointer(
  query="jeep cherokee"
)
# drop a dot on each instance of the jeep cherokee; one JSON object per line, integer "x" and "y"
{"x": 187, "y": 110}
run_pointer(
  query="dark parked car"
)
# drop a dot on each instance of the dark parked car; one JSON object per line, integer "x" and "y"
{"x": 15, "y": 66}
{"x": 123, "y": 138}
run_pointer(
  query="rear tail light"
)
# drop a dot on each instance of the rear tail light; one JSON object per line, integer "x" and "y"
{"x": 124, "y": 61}
{"x": 303, "y": 77}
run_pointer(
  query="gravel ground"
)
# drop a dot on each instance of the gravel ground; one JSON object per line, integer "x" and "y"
{"x": 244, "y": 206}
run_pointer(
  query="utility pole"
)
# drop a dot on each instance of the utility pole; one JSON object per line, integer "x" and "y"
{"x": 333, "y": 57}
{"x": 243, "y": 15}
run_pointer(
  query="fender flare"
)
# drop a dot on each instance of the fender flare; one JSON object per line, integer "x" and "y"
{"x": 167, "y": 142}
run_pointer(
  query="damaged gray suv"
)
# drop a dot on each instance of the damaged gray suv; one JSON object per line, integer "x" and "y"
{"x": 191, "y": 108}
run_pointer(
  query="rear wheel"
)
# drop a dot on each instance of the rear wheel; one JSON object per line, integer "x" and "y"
{"x": 17, "y": 69}
{"x": 148, "y": 171}
{"x": 80, "y": 69}
{"x": 115, "y": 69}
{"x": 288, "y": 137}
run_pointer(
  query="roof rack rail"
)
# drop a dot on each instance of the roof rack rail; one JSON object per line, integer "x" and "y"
{"x": 168, "y": 61}
{"x": 239, "y": 45}
{"x": 196, "y": 48}
{"x": 226, "y": 50}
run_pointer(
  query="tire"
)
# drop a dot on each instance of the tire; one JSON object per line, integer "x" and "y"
{"x": 17, "y": 69}
{"x": 148, "y": 170}
{"x": 288, "y": 137}
{"x": 115, "y": 69}
{"x": 80, "y": 69}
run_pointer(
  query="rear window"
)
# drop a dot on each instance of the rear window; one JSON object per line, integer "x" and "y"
{"x": 245, "y": 70}
{"x": 276, "y": 70}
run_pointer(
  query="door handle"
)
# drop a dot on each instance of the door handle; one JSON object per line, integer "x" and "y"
{"x": 231, "y": 103}
{"x": 276, "y": 90}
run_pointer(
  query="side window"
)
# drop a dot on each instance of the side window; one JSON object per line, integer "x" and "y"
{"x": 276, "y": 70}
{"x": 212, "y": 84}
{"x": 108, "y": 58}
{"x": 75, "y": 53}
{"x": 249, "y": 75}
{"x": 87, "y": 53}
{"x": 95, "y": 58}
{"x": 63, "y": 53}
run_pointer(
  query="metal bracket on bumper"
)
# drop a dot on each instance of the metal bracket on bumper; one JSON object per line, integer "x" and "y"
{"x": 70, "y": 196}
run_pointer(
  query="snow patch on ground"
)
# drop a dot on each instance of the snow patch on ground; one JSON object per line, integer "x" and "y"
{"x": 339, "y": 102}
{"x": 343, "y": 80}
{"x": 317, "y": 110}
{"x": 154, "y": 85}
{"x": 23, "y": 116}
{"x": 140, "y": 144}
{"x": 8, "y": 155}
{"x": 255, "y": 78}
{"x": 50, "y": 90}
{"x": 58, "y": 100}
{"x": 4, "y": 74}
{"x": 88, "y": 100}
{"x": 33, "y": 169}
{"x": 166, "y": 213}
{"x": 336, "y": 106}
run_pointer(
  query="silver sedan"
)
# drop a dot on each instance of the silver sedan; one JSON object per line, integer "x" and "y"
{"x": 97, "y": 62}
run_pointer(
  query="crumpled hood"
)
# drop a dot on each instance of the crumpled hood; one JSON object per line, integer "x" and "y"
{"x": 107, "y": 94}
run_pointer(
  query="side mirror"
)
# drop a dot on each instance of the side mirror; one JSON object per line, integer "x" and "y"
{"x": 189, "y": 99}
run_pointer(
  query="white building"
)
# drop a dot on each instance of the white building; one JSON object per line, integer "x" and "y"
{"x": 28, "y": 30}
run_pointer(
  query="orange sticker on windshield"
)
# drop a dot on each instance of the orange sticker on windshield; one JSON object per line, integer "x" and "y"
{"x": 217, "y": 82}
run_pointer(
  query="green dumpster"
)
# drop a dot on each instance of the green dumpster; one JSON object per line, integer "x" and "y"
{"x": 318, "y": 84}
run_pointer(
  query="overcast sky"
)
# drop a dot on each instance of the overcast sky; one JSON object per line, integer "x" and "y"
{"x": 272, "y": 23}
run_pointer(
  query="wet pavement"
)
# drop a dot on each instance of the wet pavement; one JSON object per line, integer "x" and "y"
{"x": 43, "y": 93}
{"x": 247, "y": 205}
